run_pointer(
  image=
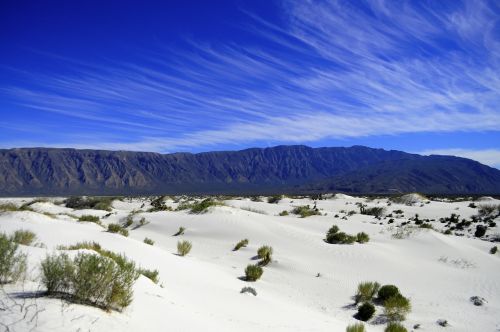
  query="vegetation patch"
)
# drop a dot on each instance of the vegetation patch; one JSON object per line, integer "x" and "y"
{"x": 12, "y": 262}
{"x": 184, "y": 247}
{"x": 96, "y": 203}
{"x": 243, "y": 243}
{"x": 89, "y": 218}
{"x": 253, "y": 272}
{"x": 265, "y": 253}
{"x": 149, "y": 241}
{"x": 305, "y": 211}
{"x": 358, "y": 327}
{"x": 23, "y": 237}
{"x": 116, "y": 228}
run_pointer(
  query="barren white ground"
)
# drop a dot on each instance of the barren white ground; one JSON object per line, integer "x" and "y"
{"x": 202, "y": 290}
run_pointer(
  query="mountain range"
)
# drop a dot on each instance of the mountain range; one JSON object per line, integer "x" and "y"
{"x": 280, "y": 169}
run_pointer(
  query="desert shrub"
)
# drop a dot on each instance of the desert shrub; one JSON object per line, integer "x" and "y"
{"x": 480, "y": 231}
{"x": 153, "y": 275}
{"x": 23, "y": 237}
{"x": 395, "y": 327}
{"x": 366, "y": 291}
{"x": 96, "y": 203}
{"x": 493, "y": 250}
{"x": 91, "y": 279}
{"x": 283, "y": 213}
{"x": 180, "y": 231}
{"x": 274, "y": 199}
{"x": 358, "y": 327}
{"x": 89, "y": 218}
{"x": 362, "y": 237}
{"x": 486, "y": 210}
{"x": 305, "y": 211}
{"x": 184, "y": 247}
{"x": 12, "y": 262}
{"x": 372, "y": 211}
{"x": 265, "y": 254}
{"x": 365, "y": 311}
{"x": 202, "y": 207}
{"x": 158, "y": 204}
{"x": 82, "y": 245}
{"x": 333, "y": 230}
{"x": 57, "y": 273}
{"x": 116, "y": 228}
{"x": 253, "y": 272}
{"x": 149, "y": 241}
{"x": 341, "y": 238}
{"x": 241, "y": 244}
{"x": 128, "y": 222}
{"x": 10, "y": 207}
{"x": 472, "y": 205}
{"x": 386, "y": 292}
{"x": 397, "y": 307}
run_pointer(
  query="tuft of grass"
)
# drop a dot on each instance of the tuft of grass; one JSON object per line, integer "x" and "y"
{"x": 396, "y": 308}
{"x": 283, "y": 213}
{"x": 265, "y": 254}
{"x": 366, "y": 291}
{"x": 153, "y": 275}
{"x": 253, "y": 272}
{"x": 202, "y": 206}
{"x": 23, "y": 237}
{"x": 149, "y": 241}
{"x": 180, "y": 231}
{"x": 89, "y": 218}
{"x": 274, "y": 199}
{"x": 243, "y": 243}
{"x": 305, "y": 211}
{"x": 357, "y": 327}
{"x": 184, "y": 247}
{"x": 362, "y": 237}
{"x": 12, "y": 262}
{"x": 116, "y": 228}
{"x": 250, "y": 209}
{"x": 395, "y": 327}
{"x": 10, "y": 207}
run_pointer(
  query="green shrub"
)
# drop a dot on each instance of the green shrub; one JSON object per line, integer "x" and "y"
{"x": 358, "y": 327}
{"x": 397, "y": 307}
{"x": 333, "y": 230}
{"x": 202, "y": 207}
{"x": 82, "y": 245}
{"x": 23, "y": 237}
{"x": 150, "y": 274}
{"x": 128, "y": 222}
{"x": 89, "y": 218}
{"x": 395, "y": 327}
{"x": 96, "y": 203}
{"x": 10, "y": 207}
{"x": 362, "y": 237}
{"x": 274, "y": 199}
{"x": 305, "y": 211}
{"x": 265, "y": 254}
{"x": 366, "y": 291}
{"x": 373, "y": 211}
{"x": 365, "y": 311}
{"x": 12, "y": 262}
{"x": 253, "y": 272}
{"x": 283, "y": 213}
{"x": 241, "y": 244}
{"x": 341, "y": 238}
{"x": 386, "y": 292}
{"x": 149, "y": 241}
{"x": 57, "y": 273}
{"x": 180, "y": 231}
{"x": 493, "y": 250}
{"x": 116, "y": 228}
{"x": 184, "y": 247}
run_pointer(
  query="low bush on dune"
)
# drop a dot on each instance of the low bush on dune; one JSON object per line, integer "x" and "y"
{"x": 89, "y": 218}
{"x": 10, "y": 207}
{"x": 365, "y": 311}
{"x": 333, "y": 236}
{"x": 202, "y": 206}
{"x": 90, "y": 279}
{"x": 116, "y": 228}
{"x": 362, "y": 237}
{"x": 480, "y": 231}
{"x": 366, "y": 291}
{"x": 158, "y": 204}
{"x": 96, "y": 203}
{"x": 493, "y": 250}
{"x": 184, "y": 247}
{"x": 265, "y": 253}
{"x": 386, "y": 292}
{"x": 375, "y": 211}
{"x": 12, "y": 262}
{"x": 396, "y": 308}
{"x": 180, "y": 231}
{"x": 153, "y": 275}
{"x": 274, "y": 199}
{"x": 358, "y": 327}
{"x": 305, "y": 211}
{"x": 149, "y": 241}
{"x": 283, "y": 213}
{"x": 395, "y": 327}
{"x": 241, "y": 244}
{"x": 253, "y": 272}
{"x": 23, "y": 237}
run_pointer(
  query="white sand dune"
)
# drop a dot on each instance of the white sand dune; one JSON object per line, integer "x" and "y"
{"x": 202, "y": 290}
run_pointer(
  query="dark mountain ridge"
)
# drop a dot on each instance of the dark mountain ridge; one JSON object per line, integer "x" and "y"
{"x": 357, "y": 169}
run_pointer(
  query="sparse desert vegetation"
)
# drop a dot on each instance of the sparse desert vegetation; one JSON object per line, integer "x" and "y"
{"x": 184, "y": 247}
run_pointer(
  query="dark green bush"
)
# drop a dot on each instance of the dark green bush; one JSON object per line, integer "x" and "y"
{"x": 362, "y": 237}
{"x": 96, "y": 203}
{"x": 241, "y": 244}
{"x": 274, "y": 199}
{"x": 396, "y": 308}
{"x": 265, "y": 254}
{"x": 386, "y": 292}
{"x": 305, "y": 211}
{"x": 23, "y": 237}
{"x": 253, "y": 272}
{"x": 283, "y": 213}
{"x": 395, "y": 327}
{"x": 493, "y": 250}
{"x": 149, "y": 241}
{"x": 202, "y": 207}
{"x": 57, "y": 273}
{"x": 12, "y": 262}
{"x": 365, "y": 311}
{"x": 116, "y": 228}
{"x": 180, "y": 231}
{"x": 480, "y": 231}
{"x": 89, "y": 218}
{"x": 341, "y": 238}
{"x": 373, "y": 211}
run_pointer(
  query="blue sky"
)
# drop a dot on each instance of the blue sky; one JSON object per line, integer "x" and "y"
{"x": 418, "y": 76}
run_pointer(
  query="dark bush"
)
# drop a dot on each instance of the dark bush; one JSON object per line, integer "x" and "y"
{"x": 89, "y": 218}
{"x": 274, "y": 199}
{"x": 253, "y": 272}
{"x": 96, "y": 203}
{"x": 365, "y": 311}
{"x": 396, "y": 308}
{"x": 386, "y": 292}
{"x": 116, "y": 228}
{"x": 493, "y": 250}
{"x": 241, "y": 244}
{"x": 12, "y": 262}
{"x": 480, "y": 231}
{"x": 341, "y": 238}
{"x": 305, "y": 211}
{"x": 362, "y": 237}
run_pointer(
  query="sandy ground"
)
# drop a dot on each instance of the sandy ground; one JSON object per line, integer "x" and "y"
{"x": 201, "y": 291}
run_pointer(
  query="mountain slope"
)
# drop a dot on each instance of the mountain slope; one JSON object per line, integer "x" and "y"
{"x": 44, "y": 171}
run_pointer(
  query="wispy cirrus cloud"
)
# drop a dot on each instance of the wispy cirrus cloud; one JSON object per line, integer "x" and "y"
{"x": 489, "y": 157}
{"x": 332, "y": 70}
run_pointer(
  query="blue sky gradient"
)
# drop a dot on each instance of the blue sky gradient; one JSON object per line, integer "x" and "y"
{"x": 418, "y": 76}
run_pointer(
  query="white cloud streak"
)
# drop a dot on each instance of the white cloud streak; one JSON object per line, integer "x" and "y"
{"x": 490, "y": 157}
